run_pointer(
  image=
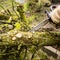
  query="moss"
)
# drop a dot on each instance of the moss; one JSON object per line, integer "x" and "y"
{"x": 3, "y": 17}
{"x": 21, "y": 13}
{"x": 14, "y": 45}
{"x": 23, "y": 19}
{"x": 27, "y": 39}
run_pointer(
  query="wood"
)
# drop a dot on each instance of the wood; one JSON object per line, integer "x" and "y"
{"x": 51, "y": 51}
{"x": 14, "y": 42}
{"x": 29, "y": 38}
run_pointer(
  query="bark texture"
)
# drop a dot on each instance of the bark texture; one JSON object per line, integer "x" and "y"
{"x": 29, "y": 38}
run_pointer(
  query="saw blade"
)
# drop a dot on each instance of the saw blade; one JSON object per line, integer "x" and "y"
{"x": 40, "y": 25}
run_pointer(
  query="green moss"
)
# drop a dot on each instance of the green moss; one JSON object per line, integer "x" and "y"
{"x": 3, "y": 17}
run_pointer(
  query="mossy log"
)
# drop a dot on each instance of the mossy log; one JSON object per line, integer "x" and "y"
{"x": 25, "y": 44}
{"x": 28, "y": 38}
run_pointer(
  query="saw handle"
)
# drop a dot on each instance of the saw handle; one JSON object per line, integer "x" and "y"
{"x": 53, "y": 7}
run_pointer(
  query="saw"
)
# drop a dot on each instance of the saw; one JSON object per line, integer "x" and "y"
{"x": 44, "y": 22}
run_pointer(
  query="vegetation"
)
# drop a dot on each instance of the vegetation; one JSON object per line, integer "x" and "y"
{"x": 16, "y": 43}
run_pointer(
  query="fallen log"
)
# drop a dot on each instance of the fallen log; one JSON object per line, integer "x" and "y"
{"x": 28, "y": 38}
{"x": 15, "y": 42}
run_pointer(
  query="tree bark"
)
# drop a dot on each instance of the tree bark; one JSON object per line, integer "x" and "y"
{"x": 28, "y": 38}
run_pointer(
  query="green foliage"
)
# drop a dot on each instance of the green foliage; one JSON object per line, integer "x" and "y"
{"x": 23, "y": 21}
{"x": 20, "y": 22}
{"x": 17, "y": 25}
{"x": 25, "y": 6}
{"x": 31, "y": 19}
{"x": 21, "y": 13}
{"x": 38, "y": 4}
{"x": 3, "y": 17}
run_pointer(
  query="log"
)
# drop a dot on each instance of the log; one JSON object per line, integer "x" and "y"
{"x": 16, "y": 42}
{"x": 29, "y": 38}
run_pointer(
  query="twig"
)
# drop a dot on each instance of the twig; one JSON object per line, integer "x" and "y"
{"x": 3, "y": 8}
